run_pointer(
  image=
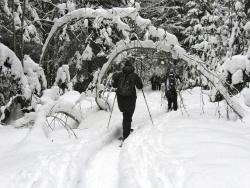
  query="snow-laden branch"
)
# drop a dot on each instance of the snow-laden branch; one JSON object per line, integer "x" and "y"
{"x": 6, "y": 29}
{"x": 115, "y": 15}
{"x": 87, "y": 13}
{"x": 35, "y": 75}
{"x": 217, "y": 83}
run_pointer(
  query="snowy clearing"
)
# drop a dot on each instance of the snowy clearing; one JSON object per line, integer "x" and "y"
{"x": 183, "y": 150}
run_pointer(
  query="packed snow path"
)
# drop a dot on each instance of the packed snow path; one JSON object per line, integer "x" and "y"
{"x": 181, "y": 151}
{"x": 103, "y": 169}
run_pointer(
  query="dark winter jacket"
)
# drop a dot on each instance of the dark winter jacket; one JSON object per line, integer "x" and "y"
{"x": 170, "y": 86}
{"x": 127, "y": 103}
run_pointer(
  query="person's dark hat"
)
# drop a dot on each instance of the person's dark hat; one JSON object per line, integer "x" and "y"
{"x": 129, "y": 61}
{"x": 128, "y": 66}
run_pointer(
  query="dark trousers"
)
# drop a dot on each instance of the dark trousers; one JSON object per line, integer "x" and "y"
{"x": 153, "y": 86}
{"x": 158, "y": 87}
{"x": 126, "y": 123}
{"x": 127, "y": 107}
{"x": 172, "y": 102}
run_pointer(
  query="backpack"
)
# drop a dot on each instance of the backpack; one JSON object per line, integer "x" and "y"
{"x": 171, "y": 83}
{"x": 170, "y": 86}
{"x": 126, "y": 86}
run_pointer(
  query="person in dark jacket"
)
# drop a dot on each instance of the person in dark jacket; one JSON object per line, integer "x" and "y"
{"x": 153, "y": 83}
{"x": 158, "y": 82}
{"x": 170, "y": 91}
{"x": 127, "y": 103}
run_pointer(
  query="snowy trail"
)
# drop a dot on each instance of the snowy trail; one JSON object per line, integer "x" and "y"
{"x": 62, "y": 167}
{"x": 103, "y": 169}
{"x": 178, "y": 152}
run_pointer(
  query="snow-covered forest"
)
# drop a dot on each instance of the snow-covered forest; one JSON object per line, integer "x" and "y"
{"x": 60, "y": 122}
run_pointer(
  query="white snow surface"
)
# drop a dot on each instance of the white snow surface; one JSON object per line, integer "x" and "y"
{"x": 237, "y": 77}
{"x": 181, "y": 150}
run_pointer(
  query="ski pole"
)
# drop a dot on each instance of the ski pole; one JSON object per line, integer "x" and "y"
{"x": 162, "y": 94}
{"x": 147, "y": 107}
{"x": 111, "y": 111}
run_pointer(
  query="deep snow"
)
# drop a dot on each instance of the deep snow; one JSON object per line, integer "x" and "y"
{"x": 183, "y": 150}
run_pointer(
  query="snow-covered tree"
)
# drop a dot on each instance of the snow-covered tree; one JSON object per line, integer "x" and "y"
{"x": 91, "y": 36}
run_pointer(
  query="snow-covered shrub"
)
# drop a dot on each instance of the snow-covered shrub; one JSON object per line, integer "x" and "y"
{"x": 10, "y": 63}
{"x": 52, "y": 105}
{"x": 31, "y": 34}
{"x": 50, "y": 95}
{"x": 236, "y": 67}
{"x": 63, "y": 78}
{"x": 14, "y": 85}
{"x": 234, "y": 73}
{"x": 35, "y": 75}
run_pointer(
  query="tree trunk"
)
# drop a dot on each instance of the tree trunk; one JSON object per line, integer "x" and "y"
{"x": 14, "y": 29}
{"x": 22, "y": 42}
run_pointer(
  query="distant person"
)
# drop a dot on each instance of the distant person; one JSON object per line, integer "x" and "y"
{"x": 153, "y": 81}
{"x": 171, "y": 92}
{"x": 125, "y": 82}
{"x": 158, "y": 82}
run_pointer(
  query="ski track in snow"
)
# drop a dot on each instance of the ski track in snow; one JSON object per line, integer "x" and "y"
{"x": 103, "y": 168}
{"x": 61, "y": 169}
{"x": 98, "y": 167}
{"x": 102, "y": 171}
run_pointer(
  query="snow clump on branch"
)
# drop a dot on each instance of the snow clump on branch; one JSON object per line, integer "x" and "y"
{"x": 34, "y": 74}
{"x": 63, "y": 78}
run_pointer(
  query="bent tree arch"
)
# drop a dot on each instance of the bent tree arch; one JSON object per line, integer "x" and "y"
{"x": 114, "y": 14}
{"x": 177, "y": 53}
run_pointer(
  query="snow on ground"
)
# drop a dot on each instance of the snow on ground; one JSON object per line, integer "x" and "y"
{"x": 182, "y": 150}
